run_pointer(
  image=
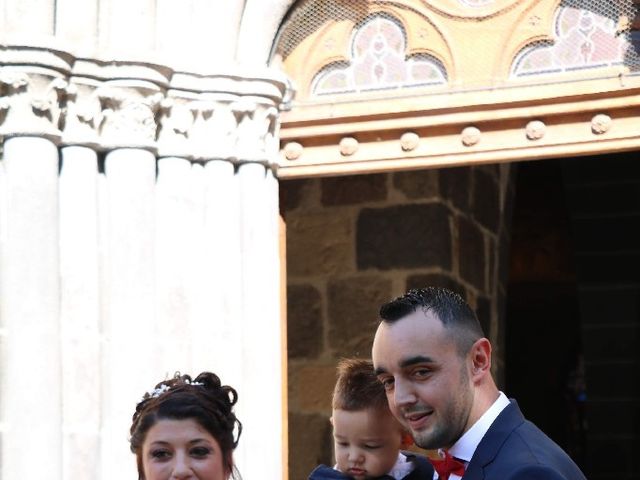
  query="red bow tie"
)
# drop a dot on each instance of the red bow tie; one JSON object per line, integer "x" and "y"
{"x": 447, "y": 466}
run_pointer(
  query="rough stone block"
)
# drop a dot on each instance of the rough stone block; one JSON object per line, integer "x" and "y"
{"x": 304, "y": 321}
{"x": 455, "y": 186}
{"x": 492, "y": 169}
{"x": 291, "y": 194}
{"x": 311, "y": 387}
{"x": 353, "y": 189}
{"x": 354, "y": 304}
{"x": 310, "y": 443}
{"x": 319, "y": 243}
{"x": 504, "y": 250}
{"x": 471, "y": 253}
{"x": 486, "y": 200}
{"x": 417, "y": 184}
{"x": 406, "y": 236}
{"x": 483, "y": 312}
{"x": 435, "y": 280}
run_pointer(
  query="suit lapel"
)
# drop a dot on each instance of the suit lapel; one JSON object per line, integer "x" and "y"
{"x": 490, "y": 444}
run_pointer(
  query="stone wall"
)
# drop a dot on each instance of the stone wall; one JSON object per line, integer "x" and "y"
{"x": 354, "y": 243}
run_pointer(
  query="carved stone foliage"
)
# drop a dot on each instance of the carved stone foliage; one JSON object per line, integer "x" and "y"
{"x": 108, "y": 105}
{"x": 218, "y": 126}
{"x": 30, "y": 104}
{"x": 129, "y": 115}
{"x": 257, "y": 129}
{"x": 82, "y": 113}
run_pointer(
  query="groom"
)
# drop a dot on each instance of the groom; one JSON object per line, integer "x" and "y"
{"x": 431, "y": 355}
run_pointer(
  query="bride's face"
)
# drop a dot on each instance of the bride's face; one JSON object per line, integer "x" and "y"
{"x": 182, "y": 449}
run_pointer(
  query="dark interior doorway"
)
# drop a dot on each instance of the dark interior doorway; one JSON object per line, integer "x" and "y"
{"x": 543, "y": 335}
{"x": 572, "y": 327}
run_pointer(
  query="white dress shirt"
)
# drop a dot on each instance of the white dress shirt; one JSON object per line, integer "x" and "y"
{"x": 466, "y": 445}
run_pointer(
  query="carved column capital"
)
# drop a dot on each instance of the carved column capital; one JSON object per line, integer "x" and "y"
{"x": 223, "y": 116}
{"x": 128, "y": 114}
{"x": 82, "y": 113}
{"x": 115, "y": 104}
{"x": 32, "y": 83}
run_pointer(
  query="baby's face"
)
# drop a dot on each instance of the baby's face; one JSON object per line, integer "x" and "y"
{"x": 366, "y": 442}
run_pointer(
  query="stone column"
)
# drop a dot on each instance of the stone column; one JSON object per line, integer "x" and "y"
{"x": 130, "y": 100}
{"x": 226, "y": 126}
{"x": 80, "y": 279}
{"x": 30, "y": 373}
{"x": 261, "y": 316}
{"x": 133, "y": 268}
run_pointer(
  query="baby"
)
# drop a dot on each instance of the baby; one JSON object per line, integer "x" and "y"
{"x": 367, "y": 438}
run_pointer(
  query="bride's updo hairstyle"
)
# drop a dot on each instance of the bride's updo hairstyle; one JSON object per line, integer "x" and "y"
{"x": 203, "y": 399}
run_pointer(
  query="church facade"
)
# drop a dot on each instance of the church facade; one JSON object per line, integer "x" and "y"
{"x": 186, "y": 186}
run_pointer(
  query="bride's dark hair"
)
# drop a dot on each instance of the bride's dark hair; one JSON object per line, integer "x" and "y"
{"x": 203, "y": 399}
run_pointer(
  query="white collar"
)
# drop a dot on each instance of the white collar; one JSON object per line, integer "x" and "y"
{"x": 402, "y": 467}
{"x": 466, "y": 445}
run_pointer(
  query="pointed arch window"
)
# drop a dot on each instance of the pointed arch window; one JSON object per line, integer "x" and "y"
{"x": 378, "y": 62}
{"x": 587, "y": 35}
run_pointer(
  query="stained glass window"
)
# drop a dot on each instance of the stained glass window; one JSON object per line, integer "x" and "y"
{"x": 378, "y": 62}
{"x": 586, "y": 35}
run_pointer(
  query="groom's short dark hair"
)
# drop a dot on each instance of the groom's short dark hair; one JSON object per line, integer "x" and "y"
{"x": 449, "y": 307}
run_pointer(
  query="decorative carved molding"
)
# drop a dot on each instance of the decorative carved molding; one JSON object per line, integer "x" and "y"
{"x": 535, "y": 130}
{"x": 219, "y": 126}
{"x": 409, "y": 141}
{"x": 348, "y": 146}
{"x": 107, "y": 105}
{"x": 129, "y": 115}
{"x": 450, "y": 32}
{"x": 30, "y": 104}
{"x": 568, "y": 111}
{"x": 601, "y": 123}
{"x": 82, "y": 113}
{"x": 470, "y": 136}
{"x": 293, "y": 150}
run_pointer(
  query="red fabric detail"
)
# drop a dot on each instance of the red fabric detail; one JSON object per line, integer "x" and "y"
{"x": 447, "y": 466}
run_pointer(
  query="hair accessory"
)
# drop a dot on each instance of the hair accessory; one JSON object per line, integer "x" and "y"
{"x": 197, "y": 384}
{"x": 156, "y": 392}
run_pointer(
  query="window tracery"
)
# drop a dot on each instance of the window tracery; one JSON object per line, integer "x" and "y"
{"x": 586, "y": 36}
{"x": 378, "y": 62}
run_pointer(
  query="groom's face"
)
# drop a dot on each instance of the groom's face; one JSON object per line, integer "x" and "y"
{"x": 425, "y": 377}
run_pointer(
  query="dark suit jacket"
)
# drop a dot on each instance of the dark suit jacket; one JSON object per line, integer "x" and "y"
{"x": 422, "y": 471}
{"x": 515, "y": 449}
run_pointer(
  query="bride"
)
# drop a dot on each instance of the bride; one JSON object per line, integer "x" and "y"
{"x": 186, "y": 429}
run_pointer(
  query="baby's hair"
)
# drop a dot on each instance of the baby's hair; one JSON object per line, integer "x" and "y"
{"x": 358, "y": 387}
{"x": 204, "y": 400}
